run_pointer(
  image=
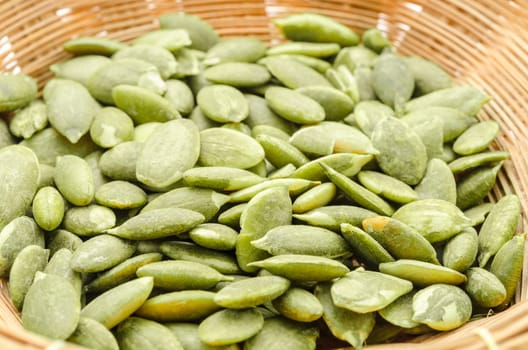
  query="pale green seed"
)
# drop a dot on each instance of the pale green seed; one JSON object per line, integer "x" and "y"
{"x": 342, "y": 78}
{"x": 437, "y": 183}
{"x": 242, "y": 49}
{"x": 279, "y": 333}
{"x": 92, "y": 45}
{"x": 251, "y": 292}
{"x": 442, "y": 307}
{"x": 27, "y": 121}
{"x": 198, "y": 81}
{"x": 110, "y": 127}
{"x": 269, "y": 130}
{"x": 152, "y": 81}
{"x": 375, "y": 40}
{"x": 187, "y": 334}
{"x": 60, "y": 265}
{"x": 238, "y": 126}
{"x": 348, "y": 164}
{"x": 461, "y": 251}
{"x": 59, "y": 239}
{"x": 186, "y": 305}
{"x": 318, "y": 64}
{"x": 6, "y": 137}
{"x": 472, "y": 161}
{"x": 305, "y": 48}
{"x": 180, "y": 96}
{"x": 171, "y": 39}
{"x": 507, "y": 264}
{"x": 475, "y": 186}
{"x": 202, "y": 35}
{"x": 230, "y": 326}
{"x": 189, "y": 62}
{"x": 355, "y": 56}
{"x": 431, "y": 134}
{"x": 18, "y": 90}
{"x": 477, "y": 138}
{"x": 160, "y": 57}
{"x": 48, "y": 208}
{"x": 120, "y": 195}
{"x": 280, "y": 153}
{"x": 51, "y": 307}
{"x": 295, "y": 187}
{"x": 294, "y": 106}
{"x": 31, "y": 259}
{"x": 316, "y": 197}
{"x": 400, "y": 312}
{"x": 92, "y": 334}
{"x": 484, "y": 288}
{"x": 214, "y": 236}
{"x": 117, "y": 304}
{"x": 143, "y": 131}
{"x": 384, "y": 332}
{"x": 386, "y": 186}
{"x": 367, "y": 291}
{"x": 392, "y": 80}
{"x": 93, "y": 161}
{"x": 231, "y": 216}
{"x": 364, "y": 246}
{"x": 222, "y": 103}
{"x": 74, "y": 179}
{"x": 428, "y": 76}
{"x": 261, "y": 114}
{"x": 261, "y": 169}
{"x": 332, "y": 216}
{"x": 368, "y": 113}
{"x": 363, "y": 76}
{"x": 221, "y": 178}
{"x": 337, "y": 105}
{"x": 101, "y": 253}
{"x": 422, "y": 273}
{"x": 79, "y": 68}
{"x": 293, "y": 74}
{"x": 139, "y": 333}
{"x": 237, "y": 74}
{"x": 299, "y": 305}
{"x": 119, "y": 163}
{"x": 90, "y": 220}
{"x": 477, "y": 214}
{"x": 47, "y": 172}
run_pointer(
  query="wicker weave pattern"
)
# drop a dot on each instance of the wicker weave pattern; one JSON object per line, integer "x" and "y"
{"x": 479, "y": 42}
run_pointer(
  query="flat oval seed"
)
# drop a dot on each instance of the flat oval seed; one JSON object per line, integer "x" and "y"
{"x": 17, "y": 91}
{"x": 136, "y": 333}
{"x": 299, "y": 305}
{"x": 220, "y": 261}
{"x": 358, "y": 193}
{"x": 158, "y": 223}
{"x": 110, "y": 127}
{"x": 31, "y": 259}
{"x": 225, "y": 147}
{"x": 202, "y": 35}
{"x": 344, "y": 324}
{"x": 79, "y": 68}
{"x": 294, "y": 106}
{"x": 93, "y": 161}
{"x": 435, "y": 219}
{"x": 472, "y": 188}
{"x": 263, "y": 129}
{"x": 158, "y": 56}
{"x": 230, "y": 326}
{"x": 386, "y": 186}
{"x": 280, "y": 153}
{"x": 484, "y": 288}
{"x": 59, "y": 239}
{"x": 367, "y": 291}
{"x": 295, "y": 186}
{"x": 179, "y": 96}
{"x": 298, "y": 239}
{"x": 437, "y": 183}
{"x": 422, "y": 273}
{"x": 222, "y": 103}
{"x": 119, "y": 163}
{"x": 461, "y": 251}
{"x": 20, "y": 180}
{"x": 115, "y": 305}
{"x": 59, "y": 265}
{"x": 243, "y": 49}
{"x": 293, "y": 74}
{"x": 314, "y": 198}
{"x": 478, "y": 213}
{"x": 187, "y": 334}
{"x": 303, "y": 267}
{"x": 214, "y": 236}
{"x": 472, "y": 161}
{"x": 348, "y": 164}
{"x": 30, "y": 119}
{"x": 318, "y": 64}
{"x": 92, "y": 45}
{"x": 305, "y": 48}
{"x": 120, "y": 195}
{"x": 238, "y": 74}
{"x": 499, "y": 227}
{"x": 90, "y": 220}
{"x": 392, "y": 80}
{"x": 431, "y": 134}
{"x": 251, "y": 292}
{"x": 400, "y": 312}
{"x": 51, "y": 307}
{"x": 442, "y": 307}
{"x": 221, "y": 178}
{"x": 174, "y": 275}
{"x": 101, "y": 253}
{"x": 364, "y": 246}
{"x": 337, "y": 105}
{"x": 375, "y": 40}
{"x": 428, "y": 76}
{"x": 48, "y": 208}
{"x": 332, "y": 216}
{"x": 508, "y": 263}
{"x": 187, "y": 305}
{"x": 403, "y": 157}
{"x": 369, "y": 113}
{"x": 92, "y": 334}
{"x": 279, "y": 333}
{"x": 477, "y": 138}
{"x": 74, "y": 179}
{"x": 261, "y": 114}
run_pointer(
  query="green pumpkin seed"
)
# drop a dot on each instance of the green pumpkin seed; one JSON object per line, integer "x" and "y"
{"x": 60, "y": 239}
{"x": 343, "y": 79}
{"x": 435, "y": 219}
{"x": 260, "y": 114}
{"x": 214, "y": 236}
{"x": 251, "y": 292}
{"x": 187, "y": 305}
{"x": 392, "y": 80}
{"x": 243, "y": 49}
{"x": 375, "y": 40}
{"x": 51, "y": 307}
{"x": 198, "y": 81}
{"x": 202, "y": 35}
{"x": 79, "y": 68}
{"x": 180, "y": 96}
{"x": 316, "y": 197}
{"x": 20, "y": 180}
{"x": 188, "y": 62}
{"x": 17, "y": 91}
{"x": 27, "y": 121}
{"x": 230, "y": 326}
{"x": 355, "y": 56}
{"x": 92, "y": 334}
{"x": 400, "y": 240}
{"x": 170, "y": 39}
{"x": 292, "y": 73}
{"x": 101, "y": 253}
{"x": 460, "y": 251}
{"x": 6, "y": 138}
{"x": 237, "y": 74}
{"x": 400, "y": 311}
{"x": 280, "y": 153}
{"x": 499, "y": 227}
{"x": 387, "y": 186}
{"x": 357, "y": 193}
{"x": 152, "y": 81}
{"x": 119, "y": 162}
{"x": 320, "y": 65}
{"x": 305, "y": 48}
{"x": 344, "y": 324}
{"x": 231, "y": 216}
{"x": 279, "y": 333}
{"x": 110, "y": 127}
{"x": 187, "y": 334}
{"x": 363, "y": 76}
{"x": 295, "y": 186}
{"x": 48, "y": 208}
{"x": 74, "y": 179}
{"x": 294, "y": 106}
{"x": 93, "y": 46}
{"x": 222, "y": 103}
{"x": 508, "y": 263}
{"x": 431, "y": 134}
{"x": 422, "y": 273}
{"x": 369, "y": 113}
{"x": 454, "y": 121}
{"x": 477, "y": 138}
{"x": 117, "y": 304}
{"x": 203, "y": 201}
{"x": 48, "y": 144}
{"x": 120, "y": 195}
{"x": 298, "y": 239}
{"x": 448, "y": 155}
{"x": 93, "y": 161}
{"x": 477, "y": 214}
{"x": 428, "y": 76}
{"x": 303, "y": 267}
{"x": 441, "y": 307}
{"x": 219, "y": 261}
{"x": 403, "y": 157}
{"x": 261, "y": 169}
{"x": 364, "y": 246}
{"x": 59, "y": 265}
{"x": 472, "y": 188}
{"x": 437, "y": 183}
{"x": 201, "y": 121}
{"x": 299, "y": 305}
{"x": 472, "y": 161}
{"x": 143, "y": 105}
{"x": 484, "y": 288}
{"x": 31, "y": 259}
{"x": 467, "y": 99}
{"x": 337, "y": 105}
{"x": 90, "y": 220}
{"x": 316, "y": 28}
{"x": 348, "y": 164}
{"x": 332, "y": 216}
{"x": 136, "y": 333}
{"x": 47, "y": 172}
{"x": 367, "y": 291}
{"x": 225, "y": 147}
{"x": 221, "y": 178}
{"x": 160, "y": 57}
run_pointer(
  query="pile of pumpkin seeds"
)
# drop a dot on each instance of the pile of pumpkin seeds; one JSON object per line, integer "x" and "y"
{"x": 185, "y": 191}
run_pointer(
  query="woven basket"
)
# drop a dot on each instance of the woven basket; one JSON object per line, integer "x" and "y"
{"x": 479, "y": 42}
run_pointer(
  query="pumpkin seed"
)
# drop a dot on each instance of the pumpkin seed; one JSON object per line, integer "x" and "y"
{"x": 231, "y": 216}
{"x": 48, "y": 208}
{"x": 214, "y": 236}
{"x": 79, "y": 68}
{"x": 58, "y": 239}
{"x": 367, "y": 114}
{"x": 160, "y": 57}
{"x": 59, "y": 265}
{"x": 188, "y": 62}
{"x": 507, "y": 264}
{"x": 30, "y": 119}
{"x": 101, "y": 253}
{"x": 280, "y": 153}
{"x": 477, "y": 214}
{"x": 278, "y": 333}
{"x": 375, "y": 40}
{"x": 92, "y": 334}
{"x": 392, "y": 80}
{"x": 93, "y": 162}
{"x": 332, "y": 216}
{"x": 461, "y": 251}
{"x": 428, "y": 76}
{"x": 316, "y": 197}
{"x": 422, "y": 273}
{"x": 230, "y": 326}
{"x": 355, "y": 56}
{"x": 187, "y": 334}
{"x": 237, "y": 74}
{"x": 295, "y": 186}
{"x": 342, "y": 78}
{"x": 135, "y": 333}
{"x": 223, "y": 103}
{"x": 363, "y": 76}
{"x": 74, "y": 179}
{"x": 318, "y": 64}
{"x": 251, "y": 292}
{"x": 299, "y": 305}
{"x": 171, "y": 39}
{"x": 221, "y": 178}
{"x": 119, "y": 162}
{"x": 202, "y": 35}
{"x": 437, "y": 183}
{"x": 294, "y": 106}
{"x": 120, "y": 195}
{"x": 260, "y": 114}
{"x": 431, "y": 134}
{"x": 17, "y": 91}
{"x": 348, "y": 164}
{"x": 6, "y": 138}
{"x": 472, "y": 188}
{"x": 477, "y": 138}
{"x": 484, "y": 288}
{"x": 337, "y": 105}
{"x": 93, "y": 46}
{"x": 387, "y": 186}
{"x": 364, "y": 246}
{"x": 400, "y": 312}
{"x": 90, "y": 220}
{"x": 180, "y": 96}
{"x": 292, "y": 73}
{"x": 472, "y": 161}
{"x": 305, "y": 48}
{"x": 242, "y": 49}
{"x": 110, "y": 127}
